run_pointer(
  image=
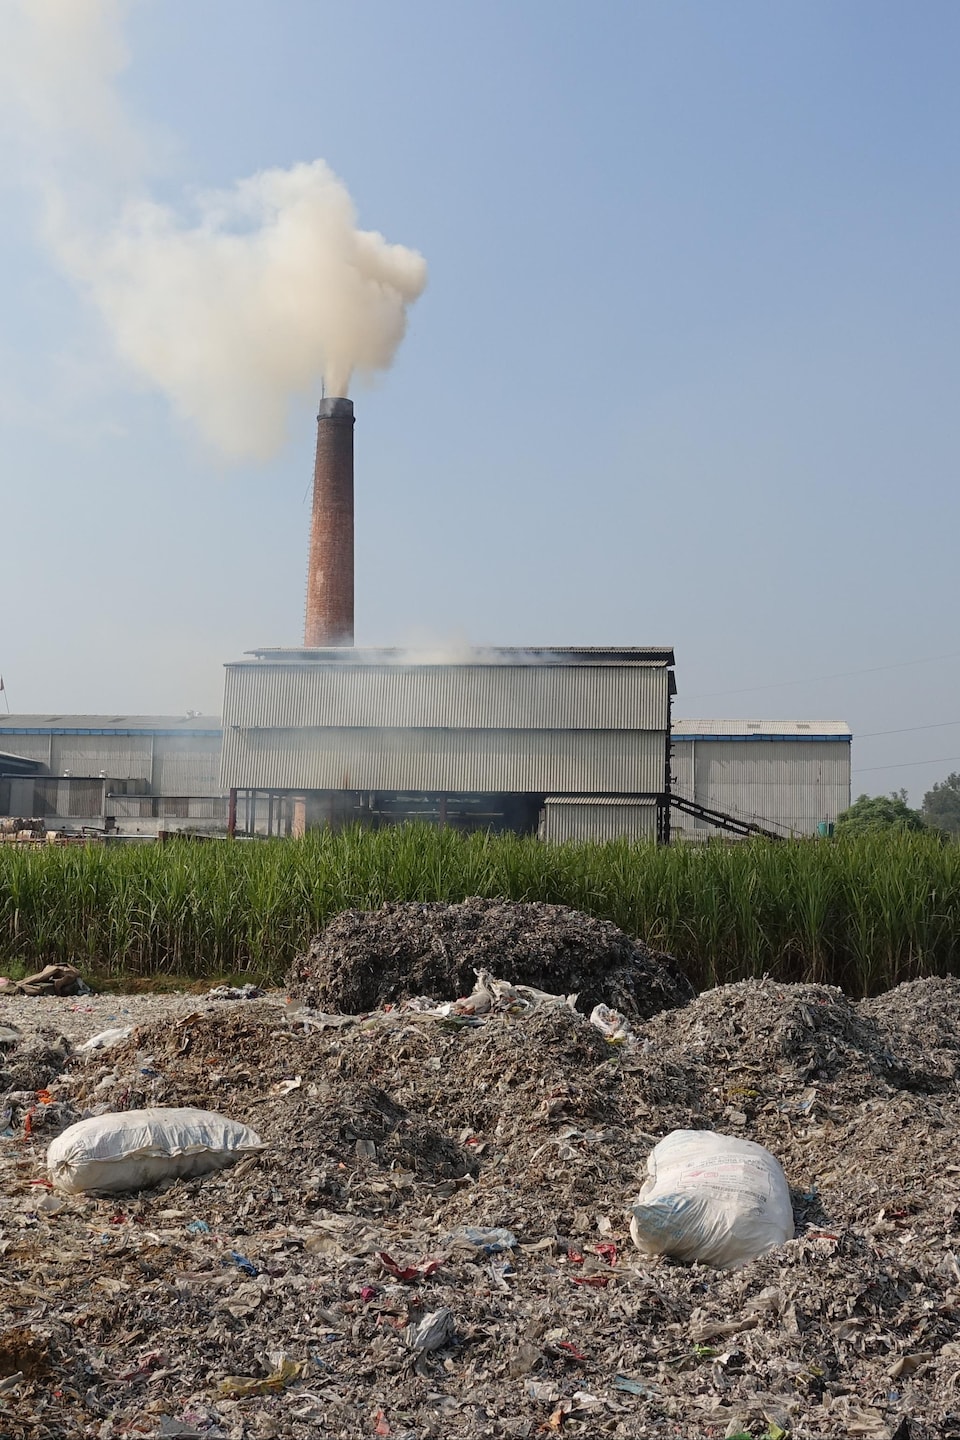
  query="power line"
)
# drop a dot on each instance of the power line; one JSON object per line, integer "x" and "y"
{"x": 908, "y": 729}
{"x": 906, "y": 764}
{"x": 818, "y": 679}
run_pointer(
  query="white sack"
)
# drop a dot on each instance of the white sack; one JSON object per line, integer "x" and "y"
{"x": 711, "y": 1198}
{"x": 137, "y": 1148}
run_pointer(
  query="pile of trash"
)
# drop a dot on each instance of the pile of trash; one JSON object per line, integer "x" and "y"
{"x": 429, "y": 1233}
{"x": 51, "y": 980}
{"x": 368, "y": 958}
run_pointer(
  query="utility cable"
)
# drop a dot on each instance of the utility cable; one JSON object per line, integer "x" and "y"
{"x": 818, "y": 679}
{"x": 907, "y": 729}
{"x": 905, "y": 764}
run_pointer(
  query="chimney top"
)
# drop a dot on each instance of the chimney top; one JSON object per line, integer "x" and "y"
{"x": 335, "y": 408}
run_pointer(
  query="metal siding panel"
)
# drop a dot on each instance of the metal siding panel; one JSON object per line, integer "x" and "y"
{"x": 681, "y": 768}
{"x": 683, "y": 783}
{"x": 454, "y": 760}
{"x": 788, "y": 784}
{"x": 21, "y": 797}
{"x": 460, "y": 696}
{"x": 599, "y": 822}
{"x": 186, "y": 765}
{"x": 29, "y": 747}
{"x": 122, "y": 757}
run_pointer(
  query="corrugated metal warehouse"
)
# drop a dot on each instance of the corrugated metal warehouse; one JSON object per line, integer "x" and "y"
{"x": 440, "y": 742}
{"x": 506, "y": 739}
{"x": 139, "y": 771}
{"x": 792, "y": 776}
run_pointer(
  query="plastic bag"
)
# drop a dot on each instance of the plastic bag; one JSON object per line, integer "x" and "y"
{"x": 712, "y": 1198}
{"x": 139, "y": 1148}
{"x": 612, "y": 1024}
{"x": 107, "y": 1038}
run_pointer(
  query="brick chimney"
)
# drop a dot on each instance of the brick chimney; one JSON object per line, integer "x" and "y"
{"x": 329, "y": 609}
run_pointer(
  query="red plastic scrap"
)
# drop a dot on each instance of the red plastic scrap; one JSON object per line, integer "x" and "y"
{"x": 382, "y": 1426}
{"x": 407, "y": 1274}
{"x": 571, "y": 1349}
{"x": 368, "y": 1292}
{"x": 607, "y": 1251}
{"x": 575, "y": 1257}
{"x": 597, "y": 1280}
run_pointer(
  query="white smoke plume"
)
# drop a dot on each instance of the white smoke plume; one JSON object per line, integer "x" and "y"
{"x": 258, "y": 295}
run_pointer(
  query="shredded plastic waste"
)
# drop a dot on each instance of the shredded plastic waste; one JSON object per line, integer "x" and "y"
{"x": 408, "y": 1133}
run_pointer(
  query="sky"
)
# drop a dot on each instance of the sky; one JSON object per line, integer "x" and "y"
{"x": 683, "y": 370}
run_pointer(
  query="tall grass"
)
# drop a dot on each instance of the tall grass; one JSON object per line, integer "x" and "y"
{"x": 863, "y": 913}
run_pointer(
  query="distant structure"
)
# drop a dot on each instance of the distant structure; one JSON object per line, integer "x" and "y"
{"x": 791, "y": 776}
{"x": 567, "y": 744}
{"x": 126, "y": 774}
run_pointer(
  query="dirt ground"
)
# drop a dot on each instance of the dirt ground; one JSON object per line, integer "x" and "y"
{"x": 285, "y": 1297}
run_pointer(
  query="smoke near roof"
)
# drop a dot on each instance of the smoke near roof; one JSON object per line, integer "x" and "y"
{"x": 233, "y": 305}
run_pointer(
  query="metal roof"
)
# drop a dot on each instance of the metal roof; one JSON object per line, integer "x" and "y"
{"x": 760, "y": 730}
{"x": 110, "y": 724}
{"x": 347, "y": 656}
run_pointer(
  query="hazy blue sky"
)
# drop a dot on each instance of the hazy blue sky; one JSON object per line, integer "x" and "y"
{"x": 684, "y": 372}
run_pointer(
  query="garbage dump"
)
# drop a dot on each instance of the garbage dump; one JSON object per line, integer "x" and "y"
{"x": 435, "y": 1239}
{"x": 367, "y": 958}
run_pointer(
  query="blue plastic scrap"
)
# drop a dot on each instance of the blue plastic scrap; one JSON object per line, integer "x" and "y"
{"x": 233, "y": 1257}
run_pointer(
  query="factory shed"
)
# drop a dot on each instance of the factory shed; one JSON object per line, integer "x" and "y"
{"x": 134, "y": 773}
{"x": 514, "y": 739}
{"x": 790, "y": 776}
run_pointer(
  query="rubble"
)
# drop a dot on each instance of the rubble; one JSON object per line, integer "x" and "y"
{"x": 365, "y": 959}
{"x": 435, "y": 1241}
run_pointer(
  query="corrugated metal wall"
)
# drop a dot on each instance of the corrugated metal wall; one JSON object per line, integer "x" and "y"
{"x": 583, "y": 820}
{"x": 527, "y": 728}
{"x": 30, "y": 747}
{"x": 122, "y": 757}
{"x": 186, "y": 765}
{"x": 789, "y": 784}
{"x": 467, "y": 697}
{"x": 600, "y": 761}
{"x": 170, "y": 764}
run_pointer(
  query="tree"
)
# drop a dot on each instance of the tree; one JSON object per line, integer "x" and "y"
{"x": 941, "y": 805}
{"x": 871, "y": 814}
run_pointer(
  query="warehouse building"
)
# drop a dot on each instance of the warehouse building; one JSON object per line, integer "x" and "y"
{"x": 570, "y": 745}
{"x": 564, "y": 742}
{"x": 132, "y": 774}
{"x": 790, "y": 776}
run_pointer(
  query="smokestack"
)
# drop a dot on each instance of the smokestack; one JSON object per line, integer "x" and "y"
{"x": 329, "y": 616}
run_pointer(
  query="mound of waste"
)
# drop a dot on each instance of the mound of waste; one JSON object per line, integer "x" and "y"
{"x": 922, "y": 1020}
{"x": 364, "y": 959}
{"x": 435, "y": 1240}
